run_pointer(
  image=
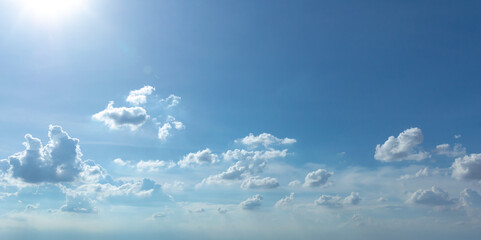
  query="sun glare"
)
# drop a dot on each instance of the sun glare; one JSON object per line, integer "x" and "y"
{"x": 51, "y": 10}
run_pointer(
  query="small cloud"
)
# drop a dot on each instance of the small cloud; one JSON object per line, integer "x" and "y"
{"x": 221, "y": 210}
{"x": 402, "y": 147}
{"x": 430, "y": 197}
{"x": 252, "y": 203}
{"x": 329, "y": 201}
{"x": 172, "y": 100}
{"x": 264, "y": 139}
{"x": 201, "y": 157}
{"x": 285, "y": 201}
{"x": 445, "y": 149}
{"x": 457, "y": 136}
{"x": 467, "y": 167}
{"x": 115, "y": 118}
{"x": 317, "y": 178}
{"x": 294, "y": 183}
{"x": 352, "y": 199}
{"x": 78, "y": 203}
{"x": 139, "y": 96}
{"x": 120, "y": 162}
{"x": 259, "y": 183}
{"x": 153, "y": 165}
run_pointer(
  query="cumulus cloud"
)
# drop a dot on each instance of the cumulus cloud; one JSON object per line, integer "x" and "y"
{"x": 153, "y": 165}
{"x": 171, "y": 100}
{"x": 115, "y": 118}
{"x": 317, "y": 178}
{"x": 78, "y": 203}
{"x": 470, "y": 198}
{"x": 58, "y": 161}
{"x": 120, "y": 162}
{"x": 252, "y": 203}
{"x": 200, "y": 157}
{"x": 259, "y": 183}
{"x": 402, "y": 147}
{"x": 264, "y": 139}
{"x": 329, "y": 201}
{"x": 164, "y": 131}
{"x": 467, "y": 167}
{"x": 445, "y": 149}
{"x": 352, "y": 199}
{"x": 139, "y": 96}
{"x": 248, "y": 163}
{"x": 285, "y": 201}
{"x": 430, "y": 197}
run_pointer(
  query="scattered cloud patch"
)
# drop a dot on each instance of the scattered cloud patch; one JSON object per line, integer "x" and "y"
{"x": 294, "y": 183}
{"x": 139, "y": 96}
{"x": 329, "y": 201}
{"x": 353, "y": 199}
{"x": 116, "y": 118}
{"x": 317, "y": 178}
{"x": 221, "y": 210}
{"x": 470, "y": 198}
{"x": 200, "y": 157}
{"x": 252, "y": 203}
{"x": 285, "y": 201}
{"x": 120, "y": 162}
{"x": 402, "y": 147}
{"x": 259, "y": 183}
{"x": 78, "y": 203}
{"x": 425, "y": 172}
{"x": 430, "y": 197}
{"x": 467, "y": 167}
{"x": 264, "y": 139}
{"x": 171, "y": 100}
{"x": 445, "y": 149}
{"x": 153, "y": 165}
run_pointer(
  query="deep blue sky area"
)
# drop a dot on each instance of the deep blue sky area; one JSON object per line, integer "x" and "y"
{"x": 339, "y": 77}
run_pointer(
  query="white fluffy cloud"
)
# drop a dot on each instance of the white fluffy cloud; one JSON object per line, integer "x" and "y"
{"x": 329, "y": 201}
{"x": 58, "y": 161}
{"x": 201, "y": 157}
{"x": 264, "y": 139}
{"x": 285, "y": 201}
{"x": 259, "y": 183}
{"x": 467, "y": 167}
{"x": 248, "y": 163}
{"x": 139, "y": 96}
{"x": 352, "y": 199}
{"x": 470, "y": 198}
{"x": 171, "y": 100}
{"x": 317, "y": 178}
{"x": 78, "y": 203}
{"x": 115, "y": 118}
{"x": 252, "y": 203}
{"x": 164, "y": 131}
{"x": 445, "y": 149}
{"x": 120, "y": 162}
{"x": 402, "y": 147}
{"x": 430, "y": 197}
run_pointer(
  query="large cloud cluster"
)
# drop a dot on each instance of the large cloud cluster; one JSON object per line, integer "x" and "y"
{"x": 467, "y": 167}
{"x": 58, "y": 161}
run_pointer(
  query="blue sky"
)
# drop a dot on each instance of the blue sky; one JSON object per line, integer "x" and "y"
{"x": 240, "y": 119}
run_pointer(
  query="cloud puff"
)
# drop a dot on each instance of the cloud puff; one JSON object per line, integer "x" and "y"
{"x": 285, "y": 201}
{"x": 164, "y": 131}
{"x": 252, "y": 203}
{"x": 120, "y": 162}
{"x": 115, "y": 118}
{"x": 402, "y": 147}
{"x": 249, "y": 163}
{"x": 201, "y": 157}
{"x": 78, "y": 203}
{"x": 58, "y": 161}
{"x": 329, "y": 201}
{"x": 139, "y": 96}
{"x": 470, "y": 198}
{"x": 153, "y": 165}
{"x": 317, "y": 178}
{"x": 172, "y": 100}
{"x": 430, "y": 197}
{"x": 221, "y": 210}
{"x": 425, "y": 172}
{"x": 264, "y": 139}
{"x": 352, "y": 199}
{"x": 445, "y": 149}
{"x": 259, "y": 183}
{"x": 294, "y": 183}
{"x": 467, "y": 167}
